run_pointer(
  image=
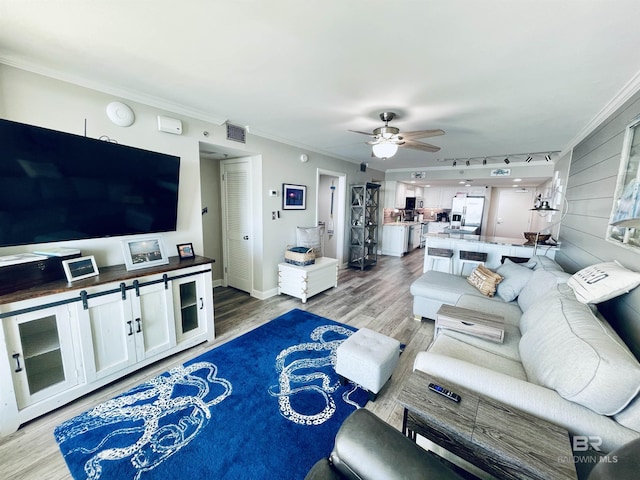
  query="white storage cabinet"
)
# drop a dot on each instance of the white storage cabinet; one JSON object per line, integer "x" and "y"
{"x": 306, "y": 281}
{"x": 60, "y": 341}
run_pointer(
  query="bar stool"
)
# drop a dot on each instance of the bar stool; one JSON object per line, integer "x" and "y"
{"x": 434, "y": 254}
{"x": 474, "y": 258}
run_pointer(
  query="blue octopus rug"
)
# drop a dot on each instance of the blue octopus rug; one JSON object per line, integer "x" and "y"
{"x": 265, "y": 405}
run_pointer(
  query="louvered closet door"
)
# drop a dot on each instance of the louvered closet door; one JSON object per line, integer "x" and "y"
{"x": 237, "y": 220}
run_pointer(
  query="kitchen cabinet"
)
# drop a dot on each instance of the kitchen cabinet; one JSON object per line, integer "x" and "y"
{"x": 401, "y": 195}
{"x": 59, "y": 341}
{"x": 363, "y": 241}
{"x": 438, "y": 197}
{"x": 395, "y": 239}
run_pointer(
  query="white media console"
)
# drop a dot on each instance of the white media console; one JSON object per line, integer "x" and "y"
{"x": 59, "y": 341}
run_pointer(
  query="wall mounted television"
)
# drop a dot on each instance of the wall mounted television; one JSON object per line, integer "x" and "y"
{"x": 56, "y": 186}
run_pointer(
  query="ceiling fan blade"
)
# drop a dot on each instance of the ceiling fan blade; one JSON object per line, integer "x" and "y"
{"x": 421, "y": 134}
{"x": 363, "y": 133}
{"x": 425, "y": 147}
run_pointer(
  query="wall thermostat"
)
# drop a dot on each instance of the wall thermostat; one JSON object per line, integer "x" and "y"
{"x": 273, "y": 193}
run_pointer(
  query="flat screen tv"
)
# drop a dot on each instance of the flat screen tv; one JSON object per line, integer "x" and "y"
{"x": 56, "y": 186}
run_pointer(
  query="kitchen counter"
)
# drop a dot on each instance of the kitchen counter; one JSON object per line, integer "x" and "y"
{"x": 402, "y": 224}
{"x": 495, "y": 247}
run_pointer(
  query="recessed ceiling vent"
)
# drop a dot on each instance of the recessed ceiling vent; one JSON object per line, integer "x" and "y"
{"x": 235, "y": 133}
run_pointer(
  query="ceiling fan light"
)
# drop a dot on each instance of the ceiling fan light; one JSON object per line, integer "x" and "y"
{"x": 385, "y": 149}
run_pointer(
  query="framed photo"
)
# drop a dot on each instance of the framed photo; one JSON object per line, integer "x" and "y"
{"x": 185, "y": 250}
{"x": 294, "y": 197}
{"x": 79, "y": 268}
{"x": 144, "y": 252}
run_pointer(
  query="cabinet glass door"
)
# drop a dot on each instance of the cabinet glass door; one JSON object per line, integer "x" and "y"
{"x": 42, "y": 354}
{"x": 189, "y": 307}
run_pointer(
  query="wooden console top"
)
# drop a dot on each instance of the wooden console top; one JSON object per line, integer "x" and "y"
{"x": 114, "y": 273}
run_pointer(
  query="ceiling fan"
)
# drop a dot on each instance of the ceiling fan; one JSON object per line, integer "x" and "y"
{"x": 386, "y": 140}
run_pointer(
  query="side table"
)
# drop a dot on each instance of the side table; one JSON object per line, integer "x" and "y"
{"x": 306, "y": 281}
{"x": 497, "y": 438}
{"x": 483, "y": 325}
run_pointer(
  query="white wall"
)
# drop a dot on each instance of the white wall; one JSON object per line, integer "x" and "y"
{"x": 38, "y": 100}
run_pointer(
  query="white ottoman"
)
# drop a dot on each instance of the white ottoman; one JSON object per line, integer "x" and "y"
{"x": 368, "y": 358}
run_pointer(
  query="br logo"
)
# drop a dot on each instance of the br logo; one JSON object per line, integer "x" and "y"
{"x": 581, "y": 443}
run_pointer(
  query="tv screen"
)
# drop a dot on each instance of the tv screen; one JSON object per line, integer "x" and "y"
{"x": 56, "y": 186}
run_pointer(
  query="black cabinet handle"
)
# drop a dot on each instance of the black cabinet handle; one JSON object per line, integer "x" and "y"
{"x": 139, "y": 322}
{"x": 136, "y": 285}
{"x": 16, "y": 356}
{"x": 130, "y": 323}
{"x": 201, "y": 303}
{"x": 123, "y": 291}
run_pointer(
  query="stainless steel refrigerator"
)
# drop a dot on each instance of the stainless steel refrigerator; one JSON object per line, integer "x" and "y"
{"x": 470, "y": 210}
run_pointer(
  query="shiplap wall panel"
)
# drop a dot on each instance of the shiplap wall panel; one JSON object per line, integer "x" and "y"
{"x": 590, "y": 191}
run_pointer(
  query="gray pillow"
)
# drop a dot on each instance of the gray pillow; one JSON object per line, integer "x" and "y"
{"x": 516, "y": 276}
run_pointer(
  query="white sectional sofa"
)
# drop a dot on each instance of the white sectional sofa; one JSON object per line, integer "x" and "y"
{"x": 560, "y": 360}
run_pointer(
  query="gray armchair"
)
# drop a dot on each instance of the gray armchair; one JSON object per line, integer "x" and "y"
{"x": 366, "y": 448}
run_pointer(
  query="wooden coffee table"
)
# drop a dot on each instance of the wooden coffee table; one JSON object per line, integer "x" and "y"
{"x": 497, "y": 438}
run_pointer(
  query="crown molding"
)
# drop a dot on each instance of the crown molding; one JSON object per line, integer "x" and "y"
{"x": 625, "y": 93}
{"x": 123, "y": 93}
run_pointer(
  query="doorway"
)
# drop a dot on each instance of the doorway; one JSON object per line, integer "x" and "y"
{"x": 237, "y": 237}
{"x": 512, "y": 213}
{"x": 330, "y": 211}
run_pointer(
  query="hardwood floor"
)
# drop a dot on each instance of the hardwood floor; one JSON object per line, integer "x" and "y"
{"x": 377, "y": 298}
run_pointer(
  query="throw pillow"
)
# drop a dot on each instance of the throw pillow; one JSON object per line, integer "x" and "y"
{"x": 484, "y": 280}
{"x": 603, "y": 281}
{"x": 515, "y": 277}
{"x": 310, "y": 237}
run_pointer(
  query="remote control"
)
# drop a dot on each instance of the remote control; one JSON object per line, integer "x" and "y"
{"x": 444, "y": 392}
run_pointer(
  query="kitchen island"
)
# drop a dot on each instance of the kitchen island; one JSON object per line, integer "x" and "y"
{"x": 494, "y": 247}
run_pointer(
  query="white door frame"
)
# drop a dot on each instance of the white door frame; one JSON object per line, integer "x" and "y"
{"x": 338, "y": 208}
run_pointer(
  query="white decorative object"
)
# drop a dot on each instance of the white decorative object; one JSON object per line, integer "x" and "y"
{"x": 120, "y": 114}
{"x": 80, "y": 268}
{"x": 306, "y": 281}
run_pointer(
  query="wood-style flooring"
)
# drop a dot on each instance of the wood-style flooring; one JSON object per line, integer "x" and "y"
{"x": 377, "y": 298}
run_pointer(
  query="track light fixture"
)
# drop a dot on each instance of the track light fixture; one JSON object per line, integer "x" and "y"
{"x": 507, "y": 158}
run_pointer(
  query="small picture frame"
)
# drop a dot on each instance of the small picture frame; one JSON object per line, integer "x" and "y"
{"x": 144, "y": 252}
{"x": 185, "y": 250}
{"x": 294, "y": 197}
{"x": 79, "y": 268}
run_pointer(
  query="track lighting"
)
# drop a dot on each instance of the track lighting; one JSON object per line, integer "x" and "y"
{"x": 547, "y": 157}
{"x": 506, "y": 160}
{"x": 484, "y": 161}
{"x": 529, "y": 158}
{"x": 468, "y": 163}
{"x": 454, "y": 163}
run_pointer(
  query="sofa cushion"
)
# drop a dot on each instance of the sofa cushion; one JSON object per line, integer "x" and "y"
{"x": 546, "y": 263}
{"x": 464, "y": 347}
{"x": 441, "y": 286}
{"x": 484, "y": 280}
{"x": 568, "y": 349}
{"x": 515, "y": 277}
{"x": 540, "y": 282}
{"x": 597, "y": 283}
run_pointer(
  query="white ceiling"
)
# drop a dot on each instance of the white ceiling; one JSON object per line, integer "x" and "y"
{"x": 499, "y": 76}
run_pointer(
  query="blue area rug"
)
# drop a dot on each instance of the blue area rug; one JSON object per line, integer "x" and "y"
{"x": 265, "y": 405}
